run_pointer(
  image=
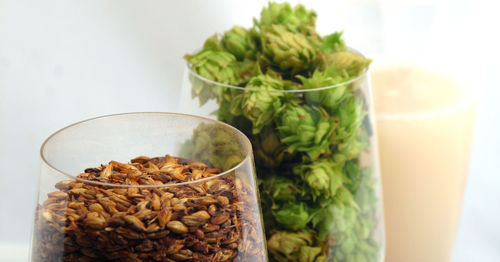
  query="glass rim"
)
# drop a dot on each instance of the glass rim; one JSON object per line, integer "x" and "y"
{"x": 247, "y": 157}
{"x": 360, "y": 76}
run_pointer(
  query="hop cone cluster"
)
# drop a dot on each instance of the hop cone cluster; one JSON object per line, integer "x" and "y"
{"x": 297, "y": 96}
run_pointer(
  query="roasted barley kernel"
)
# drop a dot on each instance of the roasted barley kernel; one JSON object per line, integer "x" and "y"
{"x": 177, "y": 227}
{"x": 201, "y": 221}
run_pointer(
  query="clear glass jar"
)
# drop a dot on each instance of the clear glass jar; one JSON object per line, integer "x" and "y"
{"x": 208, "y": 213}
{"x": 316, "y": 160}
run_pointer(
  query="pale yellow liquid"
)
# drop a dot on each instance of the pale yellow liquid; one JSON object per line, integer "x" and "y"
{"x": 424, "y": 127}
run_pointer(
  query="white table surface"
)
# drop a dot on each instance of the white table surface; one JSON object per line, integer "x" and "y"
{"x": 64, "y": 61}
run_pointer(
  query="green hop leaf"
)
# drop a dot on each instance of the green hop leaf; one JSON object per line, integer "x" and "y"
{"x": 239, "y": 42}
{"x": 289, "y": 52}
{"x": 305, "y": 129}
{"x": 261, "y": 102}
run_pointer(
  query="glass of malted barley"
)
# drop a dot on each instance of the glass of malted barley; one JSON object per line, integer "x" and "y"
{"x": 148, "y": 187}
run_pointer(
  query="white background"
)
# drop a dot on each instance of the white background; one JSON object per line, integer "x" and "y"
{"x": 65, "y": 61}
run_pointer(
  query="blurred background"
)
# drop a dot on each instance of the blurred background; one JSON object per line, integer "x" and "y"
{"x": 65, "y": 61}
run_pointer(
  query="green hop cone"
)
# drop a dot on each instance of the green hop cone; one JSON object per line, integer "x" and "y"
{"x": 337, "y": 217}
{"x": 352, "y": 175}
{"x": 275, "y": 191}
{"x": 344, "y": 222}
{"x": 329, "y": 98}
{"x": 305, "y": 129}
{"x": 248, "y": 68}
{"x": 366, "y": 198}
{"x": 278, "y": 188}
{"x": 286, "y": 51}
{"x": 269, "y": 151}
{"x": 293, "y": 216}
{"x": 311, "y": 254}
{"x": 214, "y": 145}
{"x": 291, "y": 17}
{"x": 225, "y": 113}
{"x": 355, "y": 145}
{"x": 286, "y": 246}
{"x": 238, "y": 42}
{"x": 349, "y": 63}
{"x": 351, "y": 139}
{"x": 261, "y": 101}
{"x": 367, "y": 248}
{"x": 366, "y": 194}
{"x": 323, "y": 177}
{"x": 218, "y": 66}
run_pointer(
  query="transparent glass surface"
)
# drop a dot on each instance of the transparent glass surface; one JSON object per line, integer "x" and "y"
{"x": 210, "y": 214}
{"x": 325, "y": 209}
{"x": 425, "y": 123}
{"x": 425, "y": 102}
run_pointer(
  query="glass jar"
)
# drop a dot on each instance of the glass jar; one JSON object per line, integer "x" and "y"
{"x": 198, "y": 203}
{"x": 316, "y": 159}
